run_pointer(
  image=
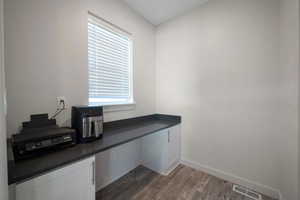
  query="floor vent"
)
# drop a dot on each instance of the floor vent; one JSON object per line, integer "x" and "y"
{"x": 247, "y": 192}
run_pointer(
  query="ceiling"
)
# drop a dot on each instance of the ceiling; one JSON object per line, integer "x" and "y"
{"x": 160, "y": 11}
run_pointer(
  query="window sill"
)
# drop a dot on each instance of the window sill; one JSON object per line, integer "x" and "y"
{"x": 116, "y": 107}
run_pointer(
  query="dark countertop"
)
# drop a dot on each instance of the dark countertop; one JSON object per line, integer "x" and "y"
{"x": 115, "y": 133}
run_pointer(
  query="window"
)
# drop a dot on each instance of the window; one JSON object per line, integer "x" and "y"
{"x": 109, "y": 64}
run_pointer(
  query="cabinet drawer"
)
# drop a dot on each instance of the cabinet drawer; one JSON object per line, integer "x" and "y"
{"x": 73, "y": 182}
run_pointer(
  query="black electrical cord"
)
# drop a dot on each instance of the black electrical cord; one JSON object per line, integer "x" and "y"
{"x": 59, "y": 110}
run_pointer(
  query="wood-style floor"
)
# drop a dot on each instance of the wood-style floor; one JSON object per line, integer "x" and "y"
{"x": 184, "y": 183}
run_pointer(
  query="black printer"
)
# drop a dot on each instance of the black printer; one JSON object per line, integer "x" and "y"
{"x": 41, "y": 135}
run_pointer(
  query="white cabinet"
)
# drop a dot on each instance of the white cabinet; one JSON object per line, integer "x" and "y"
{"x": 174, "y": 147}
{"x": 73, "y": 182}
{"x": 161, "y": 150}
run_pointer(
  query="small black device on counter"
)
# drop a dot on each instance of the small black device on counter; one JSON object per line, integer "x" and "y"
{"x": 41, "y": 135}
{"x": 88, "y": 122}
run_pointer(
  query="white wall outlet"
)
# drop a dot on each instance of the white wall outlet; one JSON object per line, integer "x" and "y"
{"x": 60, "y": 101}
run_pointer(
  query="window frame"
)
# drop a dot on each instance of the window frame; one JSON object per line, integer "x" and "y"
{"x": 102, "y": 23}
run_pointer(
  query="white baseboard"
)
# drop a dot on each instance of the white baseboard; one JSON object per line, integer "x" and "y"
{"x": 166, "y": 173}
{"x": 263, "y": 189}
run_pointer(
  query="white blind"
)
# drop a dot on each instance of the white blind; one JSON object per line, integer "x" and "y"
{"x": 109, "y": 57}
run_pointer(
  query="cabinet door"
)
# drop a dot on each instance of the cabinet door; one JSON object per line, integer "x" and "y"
{"x": 173, "y": 146}
{"x": 74, "y": 182}
{"x": 155, "y": 151}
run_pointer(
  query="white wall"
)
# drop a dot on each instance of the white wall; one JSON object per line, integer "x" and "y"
{"x": 46, "y": 56}
{"x": 218, "y": 67}
{"x": 3, "y": 160}
{"x": 289, "y": 54}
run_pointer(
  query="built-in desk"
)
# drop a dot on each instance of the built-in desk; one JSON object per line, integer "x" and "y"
{"x": 151, "y": 130}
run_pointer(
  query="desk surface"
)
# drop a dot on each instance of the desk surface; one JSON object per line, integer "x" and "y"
{"x": 115, "y": 133}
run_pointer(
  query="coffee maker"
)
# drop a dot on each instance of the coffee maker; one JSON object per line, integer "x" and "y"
{"x": 88, "y": 122}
